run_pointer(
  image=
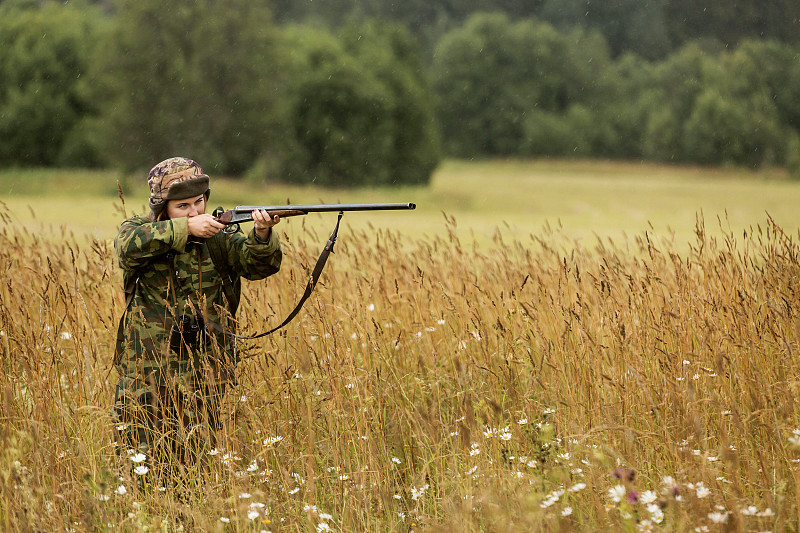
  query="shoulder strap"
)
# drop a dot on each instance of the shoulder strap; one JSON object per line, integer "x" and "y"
{"x": 312, "y": 282}
{"x": 231, "y": 284}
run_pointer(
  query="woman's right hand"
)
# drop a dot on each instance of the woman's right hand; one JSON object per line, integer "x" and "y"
{"x": 204, "y": 226}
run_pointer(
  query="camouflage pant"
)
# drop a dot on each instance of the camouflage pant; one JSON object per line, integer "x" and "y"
{"x": 169, "y": 422}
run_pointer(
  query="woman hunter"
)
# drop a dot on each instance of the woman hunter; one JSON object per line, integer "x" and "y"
{"x": 174, "y": 354}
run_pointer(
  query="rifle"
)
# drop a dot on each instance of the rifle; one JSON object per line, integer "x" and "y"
{"x": 244, "y": 213}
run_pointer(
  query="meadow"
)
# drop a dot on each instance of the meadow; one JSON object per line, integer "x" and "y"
{"x": 541, "y": 346}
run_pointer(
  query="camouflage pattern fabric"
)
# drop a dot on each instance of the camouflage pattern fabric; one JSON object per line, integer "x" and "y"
{"x": 167, "y": 394}
{"x": 168, "y": 172}
{"x": 175, "y": 178}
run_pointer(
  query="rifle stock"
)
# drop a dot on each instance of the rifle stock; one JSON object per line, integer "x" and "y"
{"x": 244, "y": 213}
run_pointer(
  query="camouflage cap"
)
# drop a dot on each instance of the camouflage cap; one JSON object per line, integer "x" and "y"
{"x": 175, "y": 178}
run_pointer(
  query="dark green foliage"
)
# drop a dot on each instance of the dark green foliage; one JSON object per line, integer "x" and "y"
{"x": 130, "y": 82}
{"x": 44, "y": 59}
{"x": 340, "y": 131}
{"x": 492, "y": 73}
{"x": 396, "y": 61}
{"x": 730, "y": 21}
{"x": 360, "y": 109}
{"x": 200, "y": 80}
{"x": 564, "y": 97}
{"x": 627, "y": 25}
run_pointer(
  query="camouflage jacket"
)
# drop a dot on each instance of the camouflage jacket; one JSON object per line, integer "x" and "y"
{"x": 146, "y": 252}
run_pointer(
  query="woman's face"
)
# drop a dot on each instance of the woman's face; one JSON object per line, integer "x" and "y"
{"x": 188, "y": 207}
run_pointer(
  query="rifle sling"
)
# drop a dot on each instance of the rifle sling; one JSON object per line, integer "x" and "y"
{"x": 312, "y": 282}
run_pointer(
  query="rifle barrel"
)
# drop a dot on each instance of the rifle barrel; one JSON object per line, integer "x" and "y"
{"x": 243, "y": 213}
{"x": 325, "y": 208}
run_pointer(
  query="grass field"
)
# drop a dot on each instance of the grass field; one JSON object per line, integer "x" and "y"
{"x": 584, "y": 200}
{"x": 438, "y": 380}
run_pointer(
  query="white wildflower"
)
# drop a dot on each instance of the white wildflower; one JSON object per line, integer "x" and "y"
{"x": 141, "y": 470}
{"x": 416, "y": 493}
{"x": 138, "y": 458}
{"x": 396, "y": 461}
{"x": 224, "y": 520}
{"x": 617, "y": 493}
{"x": 566, "y": 511}
{"x": 371, "y": 307}
{"x": 701, "y": 490}
{"x": 272, "y": 440}
{"x": 577, "y": 487}
{"x": 718, "y": 517}
{"x": 648, "y": 496}
{"x": 252, "y": 514}
{"x": 121, "y": 490}
{"x": 230, "y": 457}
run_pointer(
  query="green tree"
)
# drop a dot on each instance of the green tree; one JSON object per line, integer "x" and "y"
{"x": 396, "y": 61}
{"x": 724, "y": 129}
{"x": 360, "y": 108}
{"x": 491, "y": 73}
{"x": 46, "y": 54}
{"x": 679, "y": 80}
{"x": 200, "y": 79}
{"x": 730, "y": 21}
{"x": 627, "y": 25}
{"x": 340, "y": 115}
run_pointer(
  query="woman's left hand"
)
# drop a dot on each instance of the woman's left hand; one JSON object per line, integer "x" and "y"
{"x": 263, "y": 223}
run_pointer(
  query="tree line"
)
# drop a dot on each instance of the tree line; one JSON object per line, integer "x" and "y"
{"x": 371, "y": 94}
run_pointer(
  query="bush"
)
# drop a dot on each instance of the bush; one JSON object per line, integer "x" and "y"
{"x": 491, "y": 73}
{"x": 46, "y": 53}
{"x": 202, "y": 80}
{"x": 360, "y": 110}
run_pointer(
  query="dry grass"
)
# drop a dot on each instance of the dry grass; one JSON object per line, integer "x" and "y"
{"x": 534, "y": 385}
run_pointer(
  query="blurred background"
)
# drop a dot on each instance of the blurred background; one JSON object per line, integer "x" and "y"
{"x": 604, "y": 114}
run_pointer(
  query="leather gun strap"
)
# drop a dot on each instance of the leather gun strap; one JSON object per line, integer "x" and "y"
{"x": 312, "y": 282}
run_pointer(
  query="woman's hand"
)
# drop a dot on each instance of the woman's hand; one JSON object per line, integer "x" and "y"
{"x": 204, "y": 226}
{"x": 263, "y": 223}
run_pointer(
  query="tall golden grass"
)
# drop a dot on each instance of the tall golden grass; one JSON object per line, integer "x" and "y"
{"x": 533, "y": 385}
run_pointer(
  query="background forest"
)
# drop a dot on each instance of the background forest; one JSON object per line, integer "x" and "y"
{"x": 373, "y": 92}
